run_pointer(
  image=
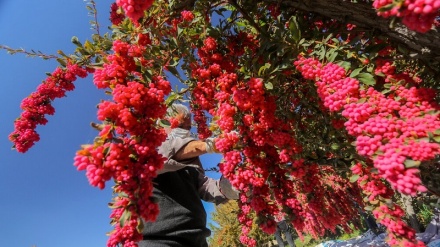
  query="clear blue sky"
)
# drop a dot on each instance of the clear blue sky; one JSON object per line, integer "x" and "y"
{"x": 44, "y": 201}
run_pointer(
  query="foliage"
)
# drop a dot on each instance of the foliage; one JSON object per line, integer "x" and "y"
{"x": 425, "y": 206}
{"x": 312, "y": 113}
{"x": 226, "y": 229}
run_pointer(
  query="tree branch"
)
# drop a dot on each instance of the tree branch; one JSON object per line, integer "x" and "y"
{"x": 424, "y": 46}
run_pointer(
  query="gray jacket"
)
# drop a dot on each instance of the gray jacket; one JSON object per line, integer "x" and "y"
{"x": 178, "y": 190}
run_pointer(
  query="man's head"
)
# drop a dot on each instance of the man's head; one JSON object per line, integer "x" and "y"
{"x": 181, "y": 114}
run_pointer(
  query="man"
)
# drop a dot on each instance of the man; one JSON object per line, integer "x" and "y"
{"x": 179, "y": 188}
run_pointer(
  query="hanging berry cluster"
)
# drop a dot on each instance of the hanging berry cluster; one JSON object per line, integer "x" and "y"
{"x": 389, "y": 215}
{"x": 39, "y": 104}
{"x": 391, "y": 130}
{"x": 126, "y": 148}
{"x": 418, "y": 15}
{"x": 259, "y": 147}
{"x": 134, "y": 9}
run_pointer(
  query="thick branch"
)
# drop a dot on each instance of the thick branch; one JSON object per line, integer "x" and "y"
{"x": 425, "y": 46}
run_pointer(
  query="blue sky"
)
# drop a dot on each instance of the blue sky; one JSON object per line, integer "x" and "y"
{"x": 44, "y": 201}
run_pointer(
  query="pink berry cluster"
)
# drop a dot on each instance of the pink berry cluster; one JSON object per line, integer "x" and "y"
{"x": 39, "y": 104}
{"x": 392, "y": 219}
{"x": 391, "y": 130}
{"x": 126, "y": 148}
{"x": 334, "y": 88}
{"x": 388, "y": 129}
{"x": 418, "y": 15}
{"x": 390, "y": 216}
{"x": 134, "y": 9}
{"x": 393, "y": 11}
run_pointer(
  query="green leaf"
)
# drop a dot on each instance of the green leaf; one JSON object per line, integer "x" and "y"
{"x": 88, "y": 45}
{"x": 140, "y": 225}
{"x": 328, "y": 38}
{"x": 351, "y": 54}
{"x": 263, "y": 68}
{"x": 362, "y": 100}
{"x": 387, "y": 7}
{"x": 355, "y": 72}
{"x": 363, "y": 182}
{"x": 171, "y": 98}
{"x": 164, "y": 123}
{"x": 366, "y": 79}
{"x": 179, "y": 31}
{"x": 332, "y": 57}
{"x": 322, "y": 53}
{"x": 268, "y": 85}
{"x": 426, "y": 139}
{"x": 369, "y": 208}
{"x": 411, "y": 163}
{"x": 344, "y": 64}
{"x": 61, "y": 53}
{"x": 430, "y": 135}
{"x": 380, "y": 74}
{"x": 293, "y": 27}
{"x": 124, "y": 217}
{"x": 436, "y": 139}
{"x": 385, "y": 91}
{"x": 354, "y": 178}
{"x": 335, "y": 146}
{"x": 62, "y": 62}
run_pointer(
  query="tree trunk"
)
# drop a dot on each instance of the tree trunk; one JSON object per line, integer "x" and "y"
{"x": 407, "y": 204}
{"x": 422, "y": 45}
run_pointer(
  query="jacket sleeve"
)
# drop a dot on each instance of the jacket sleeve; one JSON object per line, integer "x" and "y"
{"x": 168, "y": 149}
{"x": 209, "y": 189}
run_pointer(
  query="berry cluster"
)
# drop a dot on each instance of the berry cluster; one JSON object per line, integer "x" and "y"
{"x": 39, "y": 104}
{"x": 418, "y": 15}
{"x": 390, "y": 130}
{"x": 262, "y": 163}
{"x": 187, "y": 16}
{"x": 126, "y": 149}
{"x": 388, "y": 215}
{"x": 134, "y": 9}
{"x": 116, "y": 17}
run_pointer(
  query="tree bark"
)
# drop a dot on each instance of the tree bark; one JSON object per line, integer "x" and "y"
{"x": 409, "y": 209}
{"x": 424, "y": 46}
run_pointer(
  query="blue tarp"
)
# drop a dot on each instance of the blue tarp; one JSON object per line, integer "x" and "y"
{"x": 431, "y": 237}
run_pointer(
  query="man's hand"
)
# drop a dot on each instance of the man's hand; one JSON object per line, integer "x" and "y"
{"x": 210, "y": 145}
{"x": 227, "y": 189}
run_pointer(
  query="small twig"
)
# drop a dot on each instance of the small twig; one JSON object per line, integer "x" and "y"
{"x": 94, "y": 13}
{"x": 246, "y": 16}
{"x": 31, "y": 53}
